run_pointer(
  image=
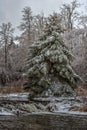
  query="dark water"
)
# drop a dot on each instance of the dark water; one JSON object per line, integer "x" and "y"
{"x": 44, "y": 122}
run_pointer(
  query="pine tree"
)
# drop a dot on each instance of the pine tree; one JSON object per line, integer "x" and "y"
{"x": 49, "y": 59}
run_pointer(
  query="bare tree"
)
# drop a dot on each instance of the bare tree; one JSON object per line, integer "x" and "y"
{"x": 26, "y": 24}
{"x": 6, "y": 40}
{"x": 39, "y": 22}
{"x": 69, "y": 14}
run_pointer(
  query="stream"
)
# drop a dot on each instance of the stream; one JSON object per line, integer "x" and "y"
{"x": 18, "y": 113}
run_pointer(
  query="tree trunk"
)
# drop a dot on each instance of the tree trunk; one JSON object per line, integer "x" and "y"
{"x": 6, "y": 54}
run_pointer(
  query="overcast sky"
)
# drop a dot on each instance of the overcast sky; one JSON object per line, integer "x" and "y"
{"x": 10, "y": 10}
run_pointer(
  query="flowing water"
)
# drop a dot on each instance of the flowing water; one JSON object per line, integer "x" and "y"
{"x": 44, "y": 121}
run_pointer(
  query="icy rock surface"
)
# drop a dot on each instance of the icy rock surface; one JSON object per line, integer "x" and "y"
{"x": 20, "y": 104}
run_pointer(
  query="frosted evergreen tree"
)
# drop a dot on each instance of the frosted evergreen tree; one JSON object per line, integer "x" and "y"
{"x": 49, "y": 60}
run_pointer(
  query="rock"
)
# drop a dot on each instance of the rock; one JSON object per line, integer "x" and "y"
{"x": 41, "y": 107}
{"x": 30, "y": 108}
{"x": 52, "y": 107}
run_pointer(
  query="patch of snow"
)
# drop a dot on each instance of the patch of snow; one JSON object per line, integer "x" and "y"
{"x": 4, "y": 112}
{"x": 15, "y": 96}
{"x": 71, "y": 112}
